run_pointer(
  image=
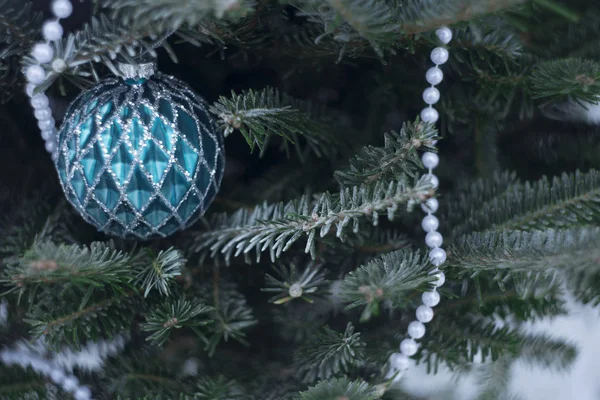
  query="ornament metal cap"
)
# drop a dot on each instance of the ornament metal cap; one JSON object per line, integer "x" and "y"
{"x": 137, "y": 71}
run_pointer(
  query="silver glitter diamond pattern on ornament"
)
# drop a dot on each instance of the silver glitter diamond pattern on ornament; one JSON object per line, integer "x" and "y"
{"x": 119, "y": 164}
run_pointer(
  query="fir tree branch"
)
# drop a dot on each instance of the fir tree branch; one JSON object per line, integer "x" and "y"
{"x": 571, "y": 79}
{"x": 159, "y": 273}
{"x": 387, "y": 278}
{"x": 174, "y": 315}
{"x": 170, "y": 15}
{"x": 22, "y": 383}
{"x": 398, "y": 157}
{"x": 101, "y": 40}
{"x": 584, "y": 285}
{"x": 231, "y": 314}
{"x": 70, "y": 266}
{"x": 277, "y": 227}
{"x": 569, "y": 200}
{"x": 458, "y": 205}
{"x": 329, "y": 354}
{"x": 549, "y": 352}
{"x": 423, "y": 16}
{"x": 340, "y": 388}
{"x": 143, "y": 371}
{"x": 292, "y": 284}
{"x": 19, "y": 26}
{"x": 496, "y": 377}
{"x": 488, "y": 41}
{"x": 482, "y": 338}
{"x": 258, "y": 115}
{"x": 33, "y": 220}
{"x": 62, "y": 321}
{"x": 519, "y": 305}
{"x": 378, "y": 240}
{"x": 219, "y": 388}
{"x": 355, "y": 25}
{"x": 71, "y": 289}
{"x": 298, "y": 322}
{"x": 534, "y": 251}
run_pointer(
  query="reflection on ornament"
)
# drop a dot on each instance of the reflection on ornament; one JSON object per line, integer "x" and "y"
{"x": 140, "y": 157}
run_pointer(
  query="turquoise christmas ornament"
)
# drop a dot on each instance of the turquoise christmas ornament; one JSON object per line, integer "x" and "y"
{"x": 139, "y": 156}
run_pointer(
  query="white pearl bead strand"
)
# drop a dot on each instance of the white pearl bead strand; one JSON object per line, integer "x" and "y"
{"x": 400, "y": 362}
{"x": 44, "y": 53}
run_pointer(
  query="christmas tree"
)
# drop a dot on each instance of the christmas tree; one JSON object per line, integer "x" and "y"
{"x": 300, "y": 279}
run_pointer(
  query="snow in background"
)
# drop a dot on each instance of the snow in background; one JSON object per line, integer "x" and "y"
{"x": 581, "y": 381}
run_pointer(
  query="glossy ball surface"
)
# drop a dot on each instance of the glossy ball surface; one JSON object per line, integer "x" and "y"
{"x": 140, "y": 158}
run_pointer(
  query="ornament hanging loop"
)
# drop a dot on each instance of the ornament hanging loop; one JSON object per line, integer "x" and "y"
{"x": 137, "y": 71}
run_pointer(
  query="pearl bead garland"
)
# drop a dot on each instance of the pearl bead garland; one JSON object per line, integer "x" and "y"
{"x": 44, "y": 53}
{"x": 400, "y": 362}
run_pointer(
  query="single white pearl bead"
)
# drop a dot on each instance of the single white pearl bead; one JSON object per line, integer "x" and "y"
{"x": 62, "y": 8}
{"x": 434, "y": 76}
{"x": 59, "y": 65}
{"x": 70, "y": 384}
{"x": 416, "y": 329}
{"x": 29, "y": 88}
{"x": 42, "y": 52}
{"x": 57, "y": 376}
{"x": 444, "y": 34}
{"x": 83, "y": 393}
{"x": 434, "y": 239}
{"x": 439, "y": 55}
{"x": 431, "y": 95}
{"x": 431, "y": 299}
{"x": 430, "y": 160}
{"x": 430, "y": 223}
{"x": 431, "y": 205}
{"x": 39, "y": 101}
{"x": 437, "y": 256}
{"x": 435, "y": 182}
{"x": 409, "y": 347}
{"x": 43, "y": 113}
{"x": 46, "y": 124}
{"x": 50, "y": 146}
{"x": 399, "y": 361}
{"x": 52, "y": 30}
{"x": 430, "y": 114}
{"x": 35, "y": 74}
{"x": 441, "y": 278}
{"x": 48, "y": 134}
{"x": 424, "y": 313}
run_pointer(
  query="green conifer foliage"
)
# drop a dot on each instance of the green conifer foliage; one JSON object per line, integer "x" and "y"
{"x": 302, "y": 277}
